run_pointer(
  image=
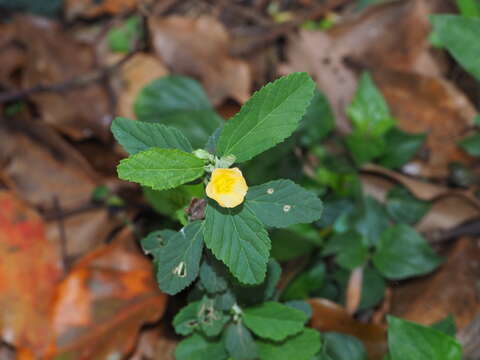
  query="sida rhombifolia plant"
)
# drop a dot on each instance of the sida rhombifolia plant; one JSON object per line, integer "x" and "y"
{"x": 223, "y": 250}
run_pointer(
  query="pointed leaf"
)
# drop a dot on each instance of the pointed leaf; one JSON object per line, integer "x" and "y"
{"x": 161, "y": 169}
{"x": 238, "y": 238}
{"x": 179, "y": 261}
{"x": 138, "y": 136}
{"x": 282, "y": 203}
{"x": 274, "y": 321}
{"x": 269, "y": 117}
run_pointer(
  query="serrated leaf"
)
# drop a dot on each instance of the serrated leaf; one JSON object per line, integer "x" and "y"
{"x": 410, "y": 341}
{"x": 156, "y": 241}
{"x": 281, "y": 203}
{"x": 402, "y": 252}
{"x": 212, "y": 276}
{"x": 274, "y": 321}
{"x": 369, "y": 111}
{"x": 299, "y": 347}
{"x": 137, "y": 136}
{"x": 238, "y": 238}
{"x": 239, "y": 342}
{"x": 269, "y": 117}
{"x": 179, "y": 260}
{"x": 161, "y": 169}
{"x": 186, "y": 320}
{"x": 180, "y": 102}
{"x": 196, "y": 347}
{"x": 459, "y": 35}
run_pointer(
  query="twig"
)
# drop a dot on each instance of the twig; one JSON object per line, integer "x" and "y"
{"x": 78, "y": 82}
{"x": 284, "y": 29}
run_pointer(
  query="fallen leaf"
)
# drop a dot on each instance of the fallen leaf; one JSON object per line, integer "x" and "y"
{"x": 135, "y": 75}
{"x": 328, "y": 316}
{"x": 29, "y": 271}
{"x": 199, "y": 48}
{"x": 54, "y": 57}
{"x": 114, "y": 293}
{"x": 452, "y": 289}
{"x": 30, "y": 152}
{"x": 156, "y": 344}
{"x": 93, "y": 8}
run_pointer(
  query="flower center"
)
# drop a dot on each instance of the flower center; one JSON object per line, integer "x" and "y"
{"x": 224, "y": 184}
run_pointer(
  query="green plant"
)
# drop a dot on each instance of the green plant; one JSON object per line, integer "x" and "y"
{"x": 224, "y": 246}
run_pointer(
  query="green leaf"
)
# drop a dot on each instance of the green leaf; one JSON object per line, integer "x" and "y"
{"x": 299, "y": 347}
{"x": 270, "y": 116}
{"x": 186, "y": 320}
{"x": 155, "y": 242}
{"x": 364, "y": 148}
{"x": 211, "y": 320}
{"x": 263, "y": 292}
{"x": 349, "y": 249}
{"x": 410, "y": 341}
{"x": 400, "y": 148}
{"x": 469, "y": 8}
{"x": 402, "y": 253}
{"x": 239, "y": 342}
{"x": 471, "y": 145}
{"x": 281, "y": 203}
{"x": 403, "y": 207}
{"x": 302, "y": 306}
{"x": 274, "y": 321}
{"x": 238, "y": 238}
{"x": 161, "y": 169}
{"x": 317, "y": 122}
{"x": 122, "y": 38}
{"x": 370, "y": 220}
{"x": 459, "y": 35}
{"x": 338, "y": 346}
{"x": 447, "y": 325}
{"x": 282, "y": 240}
{"x": 179, "y": 260}
{"x": 224, "y": 300}
{"x": 368, "y": 111}
{"x": 51, "y": 8}
{"x": 196, "y": 347}
{"x": 213, "y": 276}
{"x": 180, "y": 102}
{"x": 168, "y": 202}
{"x": 138, "y": 136}
{"x": 307, "y": 282}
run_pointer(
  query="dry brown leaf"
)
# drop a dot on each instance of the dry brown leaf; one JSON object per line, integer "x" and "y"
{"x": 114, "y": 293}
{"x": 433, "y": 106}
{"x": 328, "y": 316}
{"x": 54, "y": 57}
{"x": 199, "y": 48}
{"x": 42, "y": 168}
{"x": 354, "y": 290}
{"x": 453, "y": 288}
{"x": 136, "y": 74}
{"x": 93, "y": 8}
{"x": 29, "y": 271}
{"x": 156, "y": 344}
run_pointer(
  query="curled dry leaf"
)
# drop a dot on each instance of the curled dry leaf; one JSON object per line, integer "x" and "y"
{"x": 134, "y": 75}
{"x": 366, "y": 41}
{"x": 113, "y": 293}
{"x": 328, "y": 316}
{"x": 200, "y": 48}
{"x": 25, "y": 299}
{"x": 55, "y": 57}
{"x": 452, "y": 289}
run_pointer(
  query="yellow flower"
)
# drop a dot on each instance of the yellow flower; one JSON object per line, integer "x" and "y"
{"x": 227, "y": 187}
